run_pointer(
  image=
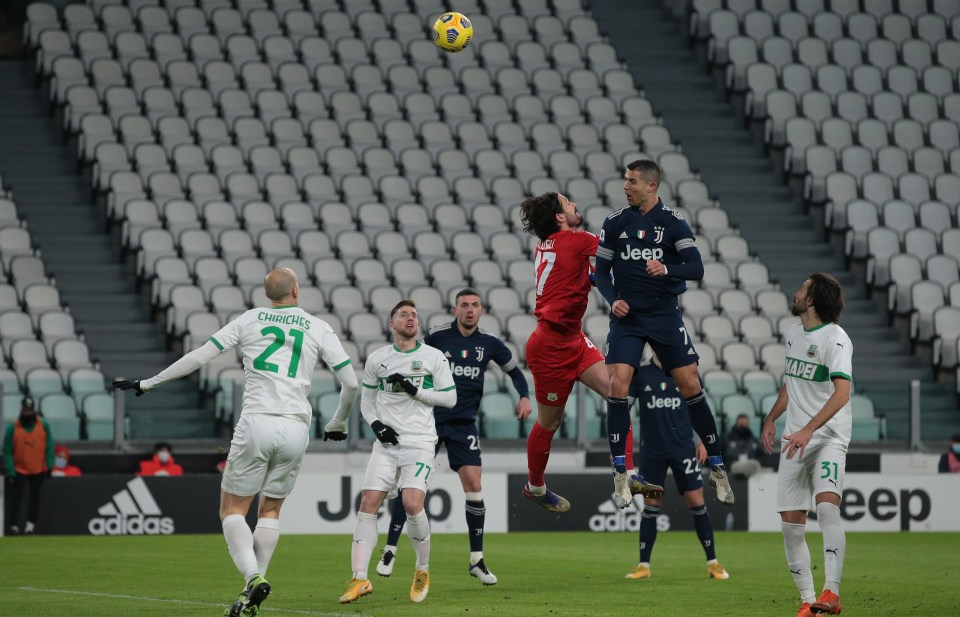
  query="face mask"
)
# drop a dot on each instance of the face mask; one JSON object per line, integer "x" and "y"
{"x": 59, "y": 461}
{"x": 956, "y": 449}
{"x": 28, "y": 419}
{"x": 163, "y": 456}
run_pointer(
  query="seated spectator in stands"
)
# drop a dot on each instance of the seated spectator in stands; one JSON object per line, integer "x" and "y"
{"x": 743, "y": 448}
{"x": 162, "y": 463}
{"x": 61, "y": 464}
{"x": 950, "y": 461}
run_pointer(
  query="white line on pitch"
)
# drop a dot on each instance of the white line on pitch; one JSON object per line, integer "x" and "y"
{"x": 123, "y": 596}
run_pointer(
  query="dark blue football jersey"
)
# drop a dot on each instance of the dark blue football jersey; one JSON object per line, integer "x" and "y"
{"x": 468, "y": 357}
{"x": 664, "y": 419}
{"x": 629, "y": 238}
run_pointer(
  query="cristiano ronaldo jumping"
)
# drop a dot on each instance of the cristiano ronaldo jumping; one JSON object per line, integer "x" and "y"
{"x": 650, "y": 252}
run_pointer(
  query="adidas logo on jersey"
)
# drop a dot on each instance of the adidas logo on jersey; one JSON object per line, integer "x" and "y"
{"x": 611, "y": 518}
{"x": 132, "y": 511}
{"x": 623, "y": 235}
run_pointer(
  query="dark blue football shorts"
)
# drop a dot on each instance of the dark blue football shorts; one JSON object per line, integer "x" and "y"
{"x": 462, "y": 441}
{"x": 661, "y": 325}
{"x": 686, "y": 470}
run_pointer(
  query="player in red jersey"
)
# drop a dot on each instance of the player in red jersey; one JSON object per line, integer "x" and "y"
{"x": 558, "y": 352}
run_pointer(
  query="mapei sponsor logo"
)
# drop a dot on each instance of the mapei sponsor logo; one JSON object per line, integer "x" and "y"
{"x": 132, "y": 512}
{"x": 637, "y": 254}
{"x": 473, "y": 372}
{"x": 611, "y": 518}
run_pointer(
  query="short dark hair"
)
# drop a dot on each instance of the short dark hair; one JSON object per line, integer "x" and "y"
{"x": 827, "y": 296}
{"x": 650, "y": 171}
{"x": 955, "y": 438}
{"x": 467, "y": 291}
{"x": 401, "y": 304}
{"x": 162, "y": 445}
{"x": 539, "y": 215}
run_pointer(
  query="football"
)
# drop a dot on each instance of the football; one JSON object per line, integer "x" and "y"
{"x": 452, "y": 32}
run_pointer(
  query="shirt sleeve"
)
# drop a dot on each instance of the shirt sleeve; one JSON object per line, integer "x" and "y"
{"x": 606, "y": 242}
{"x": 370, "y": 380}
{"x": 332, "y": 352}
{"x": 228, "y": 336}
{"x": 503, "y": 356}
{"x": 839, "y": 357}
{"x": 682, "y": 234}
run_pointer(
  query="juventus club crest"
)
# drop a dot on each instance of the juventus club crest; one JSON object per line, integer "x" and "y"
{"x": 657, "y": 234}
{"x": 466, "y": 354}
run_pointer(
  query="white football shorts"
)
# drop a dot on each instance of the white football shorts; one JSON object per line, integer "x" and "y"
{"x": 403, "y": 466}
{"x": 820, "y": 471}
{"x": 265, "y": 455}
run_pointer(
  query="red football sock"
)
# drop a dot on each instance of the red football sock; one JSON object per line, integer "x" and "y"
{"x": 628, "y": 451}
{"x": 538, "y": 452}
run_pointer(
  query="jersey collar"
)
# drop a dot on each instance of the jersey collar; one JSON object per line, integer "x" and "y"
{"x": 815, "y": 328}
{"x": 282, "y": 306}
{"x": 395, "y": 348}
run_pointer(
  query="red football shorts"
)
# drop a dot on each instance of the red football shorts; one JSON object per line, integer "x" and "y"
{"x": 557, "y": 360}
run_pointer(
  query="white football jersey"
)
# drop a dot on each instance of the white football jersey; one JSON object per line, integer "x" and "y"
{"x": 280, "y": 348}
{"x": 423, "y": 366}
{"x": 814, "y": 358}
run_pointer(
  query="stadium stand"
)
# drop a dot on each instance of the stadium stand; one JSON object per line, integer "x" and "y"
{"x": 221, "y": 141}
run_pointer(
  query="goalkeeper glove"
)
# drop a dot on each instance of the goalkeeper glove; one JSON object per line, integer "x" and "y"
{"x": 335, "y": 431}
{"x": 126, "y": 384}
{"x": 384, "y": 433}
{"x": 398, "y": 379}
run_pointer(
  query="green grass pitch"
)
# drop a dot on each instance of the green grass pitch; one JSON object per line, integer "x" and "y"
{"x": 549, "y": 574}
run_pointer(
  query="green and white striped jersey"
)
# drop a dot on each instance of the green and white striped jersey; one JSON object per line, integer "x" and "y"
{"x": 280, "y": 348}
{"x": 814, "y": 358}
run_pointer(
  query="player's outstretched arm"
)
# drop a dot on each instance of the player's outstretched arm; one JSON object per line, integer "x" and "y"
{"x": 181, "y": 368}
{"x": 336, "y": 428}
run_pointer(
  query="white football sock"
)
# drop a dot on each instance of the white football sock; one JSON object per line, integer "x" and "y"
{"x": 265, "y": 538}
{"x": 798, "y": 559}
{"x": 834, "y": 544}
{"x": 475, "y": 557}
{"x": 364, "y": 541}
{"x": 240, "y": 544}
{"x": 418, "y": 528}
{"x": 537, "y": 490}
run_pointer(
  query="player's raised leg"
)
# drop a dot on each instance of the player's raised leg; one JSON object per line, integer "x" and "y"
{"x": 398, "y": 518}
{"x": 618, "y": 427}
{"x": 701, "y": 417}
{"x": 538, "y": 453}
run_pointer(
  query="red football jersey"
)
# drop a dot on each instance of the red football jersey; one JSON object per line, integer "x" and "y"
{"x": 562, "y": 265}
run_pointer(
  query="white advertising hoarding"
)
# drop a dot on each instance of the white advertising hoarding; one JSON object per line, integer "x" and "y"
{"x": 325, "y": 503}
{"x": 873, "y": 502}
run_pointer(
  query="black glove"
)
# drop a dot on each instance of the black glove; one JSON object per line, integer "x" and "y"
{"x": 126, "y": 384}
{"x": 384, "y": 433}
{"x": 334, "y": 435}
{"x": 399, "y": 379}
